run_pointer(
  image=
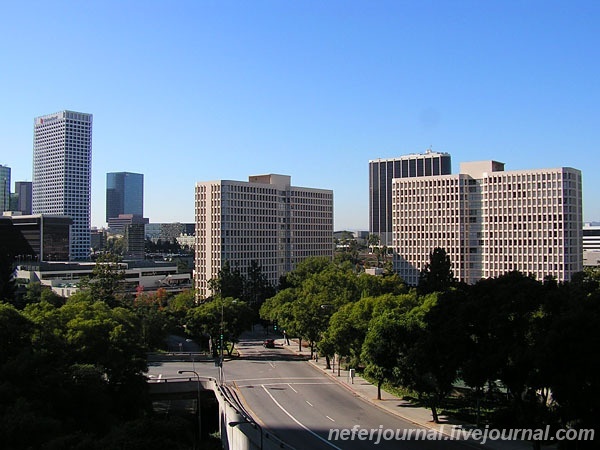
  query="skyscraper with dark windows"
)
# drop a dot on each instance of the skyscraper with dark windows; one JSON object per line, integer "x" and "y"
{"x": 381, "y": 174}
{"x": 4, "y": 188}
{"x": 124, "y": 194}
{"x": 62, "y": 167}
{"x": 23, "y": 191}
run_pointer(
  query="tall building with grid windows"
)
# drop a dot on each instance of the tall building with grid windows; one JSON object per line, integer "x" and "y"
{"x": 4, "y": 188}
{"x": 62, "y": 163}
{"x": 124, "y": 194}
{"x": 490, "y": 221}
{"x": 264, "y": 219}
{"x": 381, "y": 174}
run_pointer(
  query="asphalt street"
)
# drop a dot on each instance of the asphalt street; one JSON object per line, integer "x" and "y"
{"x": 293, "y": 400}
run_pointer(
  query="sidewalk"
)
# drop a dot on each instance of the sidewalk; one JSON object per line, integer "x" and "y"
{"x": 402, "y": 408}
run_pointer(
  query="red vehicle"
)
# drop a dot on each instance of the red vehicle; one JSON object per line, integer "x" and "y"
{"x": 269, "y": 343}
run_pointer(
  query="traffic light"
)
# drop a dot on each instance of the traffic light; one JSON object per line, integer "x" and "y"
{"x": 274, "y": 325}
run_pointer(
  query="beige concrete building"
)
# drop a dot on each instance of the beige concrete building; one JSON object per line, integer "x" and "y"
{"x": 490, "y": 222}
{"x": 264, "y": 219}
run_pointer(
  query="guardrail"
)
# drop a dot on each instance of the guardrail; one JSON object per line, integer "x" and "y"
{"x": 238, "y": 429}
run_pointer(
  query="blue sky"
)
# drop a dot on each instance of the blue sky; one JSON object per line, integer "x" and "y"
{"x": 186, "y": 91}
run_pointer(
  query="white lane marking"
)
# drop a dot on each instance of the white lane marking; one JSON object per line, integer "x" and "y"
{"x": 309, "y": 403}
{"x": 330, "y": 418}
{"x": 278, "y": 378}
{"x": 298, "y": 422}
{"x": 271, "y": 364}
{"x": 292, "y": 388}
{"x": 285, "y": 384}
{"x": 159, "y": 376}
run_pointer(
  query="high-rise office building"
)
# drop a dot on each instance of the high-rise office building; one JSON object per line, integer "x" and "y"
{"x": 62, "y": 160}
{"x": 4, "y": 188}
{"x": 490, "y": 221}
{"x": 381, "y": 174}
{"x": 23, "y": 191}
{"x": 264, "y": 219}
{"x": 124, "y": 194}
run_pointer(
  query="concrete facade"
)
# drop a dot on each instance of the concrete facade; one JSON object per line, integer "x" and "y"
{"x": 490, "y": 221}
{"x": 62, "y": 166}
{"x": 264, "y": 219}
{"x": 381, "y": 174}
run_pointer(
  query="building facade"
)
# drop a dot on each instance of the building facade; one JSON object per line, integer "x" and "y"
{"x": 64, "y": 277}
{"x": 490, "y": 221}
{"x": 117, "y": 225}
{"x": 264, "y": 219}
{"x": 62, "y": 163}
{"x": 23, "y": 190}
{"x": 591, "y": 244}
{"x": 47, "y": 236}
{"x": 124, "y": 194}
{"x": 4, "y": 188}
{"x": 381, "y": 174}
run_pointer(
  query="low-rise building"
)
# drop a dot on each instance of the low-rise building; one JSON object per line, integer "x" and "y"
{"x": 64, "y": 277}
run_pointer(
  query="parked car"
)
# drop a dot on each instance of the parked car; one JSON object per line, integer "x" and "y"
{"x": 269, "y": 343}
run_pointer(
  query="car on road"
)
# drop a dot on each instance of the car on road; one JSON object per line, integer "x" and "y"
{"x": 269, "y": 343}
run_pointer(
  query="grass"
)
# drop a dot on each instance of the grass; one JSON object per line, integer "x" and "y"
{"x": 461, "y": 404}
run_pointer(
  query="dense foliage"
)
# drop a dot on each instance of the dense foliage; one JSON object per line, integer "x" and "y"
{"x": 533, "y": 341}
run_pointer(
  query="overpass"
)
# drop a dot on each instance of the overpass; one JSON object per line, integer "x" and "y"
{"x": 217, "y": 404}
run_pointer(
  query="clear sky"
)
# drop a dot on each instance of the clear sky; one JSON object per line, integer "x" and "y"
{"x": 187, "y": 91}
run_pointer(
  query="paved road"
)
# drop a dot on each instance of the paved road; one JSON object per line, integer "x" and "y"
{"x": 301, "y": 405}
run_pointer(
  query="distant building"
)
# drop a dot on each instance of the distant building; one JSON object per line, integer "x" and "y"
{"x": 62, "y": 164}
{"x": 98, "y": 239}
{"x": 64, "y": 277}
{"x": 591, "y": 244}
{"x": 490, "y": 221}
{"x": 266, "y": 220}
{"x": 186, "y": 240}
{"x": 12, "y": 242}
{"x": 117, "y": 225}
{"x": 169, "y": 231}
{"x": 47, "y": 236}
{"x": 134, "y": 240}
{"x": 23, "y": 190}
{"x": 4, "y": 188}
{"x": 381, "y": 174}
{"x": 124, "y": 194}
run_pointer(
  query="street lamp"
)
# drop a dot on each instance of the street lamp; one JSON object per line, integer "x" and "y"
{"x": 233, "y": 424}
{"x": 197, "y": 399}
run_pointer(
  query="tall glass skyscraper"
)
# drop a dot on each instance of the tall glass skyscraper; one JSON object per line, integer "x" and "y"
{"x": 62, "y": 167}
{"x": 124, "y": 194}
{"x": 381, "y": 174}
{"x": 4, "y": 188}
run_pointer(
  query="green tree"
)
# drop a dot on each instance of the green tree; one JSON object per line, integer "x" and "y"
{"x": 380, "y": 348}
{"x": 373, "y": 241}
{"x": 150, "y": 308}
{"x": 429, "y": 365}
{"x": 437, "y": 274}
{"x": 226, "y": 316}
{"x": 105, "y": 282}
{"x": 229, "y": 283}
{"x": 257, "y": 287}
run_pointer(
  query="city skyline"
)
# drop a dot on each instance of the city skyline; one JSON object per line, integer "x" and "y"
{"x": 195, "y": 91}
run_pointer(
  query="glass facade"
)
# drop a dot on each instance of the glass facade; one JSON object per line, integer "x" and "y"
{"x": 4, "y": 188}
{"x": 124, "y": 194}
{"x": 47, "y": 236}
